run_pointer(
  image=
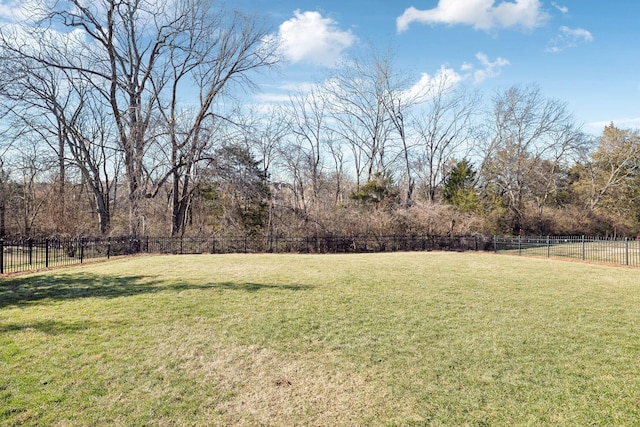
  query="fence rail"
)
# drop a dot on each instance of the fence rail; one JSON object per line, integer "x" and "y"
{"x": 28, "y": 254}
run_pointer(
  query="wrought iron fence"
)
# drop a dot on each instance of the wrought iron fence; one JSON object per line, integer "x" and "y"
{"x": 28, "y": 254}
{"x": 20, "y": 254}
{"x": 622, "y": 251}
{"x": 312, "y": 244}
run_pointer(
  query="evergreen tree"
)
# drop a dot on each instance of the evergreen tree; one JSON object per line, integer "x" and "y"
{"x": 458, "y": 188}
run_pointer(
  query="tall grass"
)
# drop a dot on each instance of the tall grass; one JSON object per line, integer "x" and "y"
{"x": 376, "y": 339}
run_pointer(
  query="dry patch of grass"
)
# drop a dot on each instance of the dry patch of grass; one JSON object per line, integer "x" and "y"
{"x": 295, "y": 389}
{"x": 378, "y": 339}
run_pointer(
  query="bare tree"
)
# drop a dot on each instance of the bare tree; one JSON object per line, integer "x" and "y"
{"x": 4, "y": 177}
{"x": 308, "y": 146}
{"x": 398, "y": 101}
{"x": 263, "y": 131}
{"x": 90, "y": 144}
{"x": 62, "y": 112}
{"x": 611, "y": 174}
{"x": 31, "y": 167}
{"x": 210, "y": 52}
{"x": 137, "y": 55}
{"x": 527, "y": 129}
{"x": 4, "y": 174}
{"x": 336, "y": 150}
{"x": 373, "y": 104}
{"x": 359, "y": 115}
{"x": 549, "y": 175}
{"x": 444, "y": 129}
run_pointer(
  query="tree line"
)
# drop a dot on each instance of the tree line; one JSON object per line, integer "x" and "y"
{"x": 127, "y": 117}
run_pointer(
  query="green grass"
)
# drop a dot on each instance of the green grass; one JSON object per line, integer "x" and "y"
{"x": 401, "y": 339}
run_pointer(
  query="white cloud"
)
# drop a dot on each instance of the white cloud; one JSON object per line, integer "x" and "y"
{"x": 577, "y": 34}
{"x": 9, "y": 10}
{"x": 281, "y": 94}
{"x": 446, "y": 78}
{"x": 562, "y": 9}
{"x": 272, "y": 98}
{"x": 299, "y": 87}
{"x": 21, "y": 10}
{"x": 308, "y": 37}
{"x": 624, "y": 123}
{"x": 489, "y": 69}
{"x": 466, "y": 66}
{"x": 481, "y": 14}
{"x": 569, "y": 38}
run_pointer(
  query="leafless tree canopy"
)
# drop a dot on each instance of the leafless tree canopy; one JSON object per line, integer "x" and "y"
{"x": 131, "y": 62}
{"x": 122, "y": 117}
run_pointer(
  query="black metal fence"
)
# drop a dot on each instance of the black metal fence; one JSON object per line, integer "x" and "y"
{"x": 622, "y": 251}
{"x": 21, "y": 254}
{"x": 28, "y": 254}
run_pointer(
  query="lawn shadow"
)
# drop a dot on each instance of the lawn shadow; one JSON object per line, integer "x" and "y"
{"x": 247, "y": 287}
{"x": 49, "y": 327}
{"x": 55, "y": 287}
{"x": 28, "y": 290}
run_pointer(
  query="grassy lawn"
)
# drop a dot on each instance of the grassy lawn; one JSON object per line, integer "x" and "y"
{"x": 395, "y": 339}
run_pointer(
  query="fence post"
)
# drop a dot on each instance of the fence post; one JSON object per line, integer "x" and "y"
{"x": 46, "y": 253}
{"x": 1, "y": 256}
{"x": 519, "y": 245}
{"x": 548, "y": 246}
{"x": 81, "y": 250}
{"x": 583, "y": 248}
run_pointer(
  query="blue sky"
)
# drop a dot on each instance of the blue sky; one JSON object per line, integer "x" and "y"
{"x": 583, "y": 52}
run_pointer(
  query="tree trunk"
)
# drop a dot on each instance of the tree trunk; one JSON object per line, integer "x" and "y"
{"x": 62, "y": 175}
{"x": 3, "y": 230}
{"x": 180, "y": 205}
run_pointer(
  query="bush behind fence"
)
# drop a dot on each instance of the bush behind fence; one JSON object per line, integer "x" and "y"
{"x": 27, "y": 254}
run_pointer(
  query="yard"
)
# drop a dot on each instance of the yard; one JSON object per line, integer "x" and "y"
{"x": 390, "y": 339}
